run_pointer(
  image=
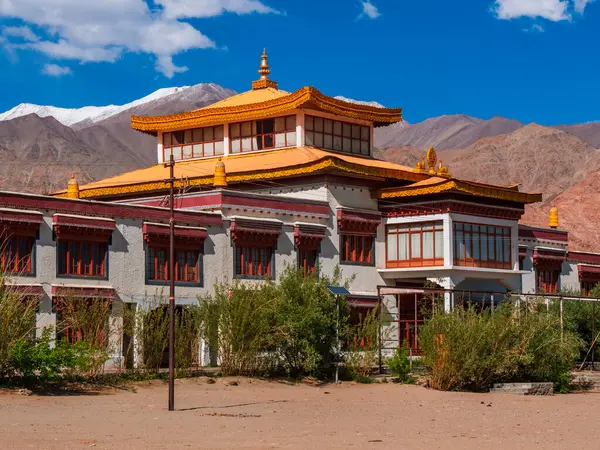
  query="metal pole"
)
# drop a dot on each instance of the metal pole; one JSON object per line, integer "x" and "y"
{"x": 379, "y": 338}
{"x": 593, "y": 332}
{"x": 562, "y": 325}
{"x": 492, "y": 309}
{"x": 171, "y": 284}
{"x": 337, "y": 339}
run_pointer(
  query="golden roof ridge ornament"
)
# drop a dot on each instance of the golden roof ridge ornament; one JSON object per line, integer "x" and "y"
{"x": 220, "y": 176}
{"x": 431, "y": 158}
{"x": 73, "y": 187}
{"x": 553, "y": 218}
{"x": 264, "y": 82}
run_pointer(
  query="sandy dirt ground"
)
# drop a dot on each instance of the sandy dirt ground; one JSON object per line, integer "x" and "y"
{"x": 257, "y": 414}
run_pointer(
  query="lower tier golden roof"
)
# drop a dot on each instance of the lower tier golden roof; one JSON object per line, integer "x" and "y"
{"x": 437, "y": 185}
{"x": 247, "y": 167}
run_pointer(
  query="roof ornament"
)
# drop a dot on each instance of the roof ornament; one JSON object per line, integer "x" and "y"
{"x": 264, "y": 71}
{"x": 220, "y": 177}
{"x": 73, "y": 187}
{"x": 420, "y": 166}
{"x": 431, "y": 157}
{"x": 553, "y": 218}
{"x": 443, "y": 170}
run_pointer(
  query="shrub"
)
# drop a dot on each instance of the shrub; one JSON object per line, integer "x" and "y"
{"x": 471, "y": 350}
{"x": 17, "y": 323}
{"x": 399, "y": 364}
{"x": 237, "y": 320}
{"x": 362, "y": 351}
{"x": 305, "y": 320}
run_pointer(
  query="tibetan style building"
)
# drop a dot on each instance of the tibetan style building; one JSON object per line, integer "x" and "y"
{"x": 268, "y": 178}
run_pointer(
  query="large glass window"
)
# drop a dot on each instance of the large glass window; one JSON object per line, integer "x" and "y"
{"x": 331, "y": 134}
{"x": 357, "y": 249}
{"x": 86, "y": 259}
{"x": 415, "y": 245}
{"x": 186, "y": 267}
{"x": 482, "y": 246}
{"x": 16, "y": 254}
{"x": 195, "y": 143}
{"x": 264, "y": 134}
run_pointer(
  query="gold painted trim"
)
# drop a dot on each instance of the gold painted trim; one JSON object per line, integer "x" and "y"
{"x": 327, "y": 163}
{"x": 303, "y": 96}
{"x": 509, "y": 193}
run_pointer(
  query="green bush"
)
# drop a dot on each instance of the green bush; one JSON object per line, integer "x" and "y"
{"x": 305, "y": 318}
{"x": 470, "y": 350}
{"x": 40, "y": 360}
{"x": 399, "y": 364}
{"x": 362, "y": 352}
{"x": 17, "y": 323}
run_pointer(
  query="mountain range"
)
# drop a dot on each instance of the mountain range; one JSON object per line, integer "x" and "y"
{"x": 41, "y": 146}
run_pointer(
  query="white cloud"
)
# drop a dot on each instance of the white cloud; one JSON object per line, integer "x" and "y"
{"x": 535, "y": 28}
{"x": 103, "y": 30}
{"x": 56, "y": 71}
{"x": 369, "y": 10}
{"x": 554, "y": 10}
{"x": 23, "y": 32}
{"x": 581, "y": 4}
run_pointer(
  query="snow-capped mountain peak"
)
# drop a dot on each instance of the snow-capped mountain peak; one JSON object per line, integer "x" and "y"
{"x": 71, "y": 116}
{"x": 359, "y": 102}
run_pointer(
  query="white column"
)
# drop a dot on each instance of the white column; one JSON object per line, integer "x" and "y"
{"x": 115, "y": 335}
{"x": 300, "y": 129}
{"x": 371, "y": 143}
{"x": 226, "y": 145}
{"x": 160, "y": 157}
{"x": 514, "y": 242}
{"x": 448, "y": 241}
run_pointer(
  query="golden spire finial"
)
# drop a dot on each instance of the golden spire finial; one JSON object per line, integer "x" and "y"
{"x": 553, "y": 218}
{"x": 264, "y": 71}
{"x": 220, "y": 177}
{"x": 443, "y": 170}
{"x": 431, "y": 157}
{"x": 73, "y": 187}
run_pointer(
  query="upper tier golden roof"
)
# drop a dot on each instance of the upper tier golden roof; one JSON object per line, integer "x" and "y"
{"x": 266, "y": 165}
{"x": 262, "y": 103}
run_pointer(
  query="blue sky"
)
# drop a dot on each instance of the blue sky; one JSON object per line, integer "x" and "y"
{"x": 531, "y": 60}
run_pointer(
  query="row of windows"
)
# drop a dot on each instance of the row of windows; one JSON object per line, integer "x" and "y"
{"x": 256, "y": 135}
{"x": 415, "y": 245}
{"x": 482, "y": 246}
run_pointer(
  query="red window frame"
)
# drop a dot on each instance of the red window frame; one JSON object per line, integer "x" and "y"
{"x": 494, "y": 244}
{"x": 258, "y": 133}
{"x": 357, "y": 249}
{"x": 16, "y": 255}
{"x": 81, "y": 258}
{"x": 186, "y": 267}
{"x": 253, "y": 262}
{"x": 360, "y": 134}
{"x": 190, "y": 137}
{"x": 547, "y": 280}
{"x": 413, "y": 230}
{"x": 307, "y": 261}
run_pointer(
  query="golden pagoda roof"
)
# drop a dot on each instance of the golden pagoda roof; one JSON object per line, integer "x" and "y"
{"x": 437, "y": 185}
{"x": 265, "y": 165}
{"x": 262, "y": 103}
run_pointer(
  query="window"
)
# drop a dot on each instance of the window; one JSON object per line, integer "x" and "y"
{"x": 415, "y": 245}
{"x": 482, "y": 246}
{"x": 263, "y": 134}
{"x": 16, "y": 255}
{"x": 253, "y": 262}
{"x": 357, "y": 249}
{"x": 547, "y": 280}
{"x": 588, "y": 285}
{"x": 186, "y": 267}
{"x": 195, "y": 143}
{"x": 339, "y": 136}
{"x": 86, "y": 259}
{"x": 307, "y": 261}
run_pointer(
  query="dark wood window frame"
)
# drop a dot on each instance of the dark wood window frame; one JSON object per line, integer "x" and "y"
{"x": 253, "y": 262}
{"x": 319, "y": 131}
{"x": 494, "y": 244}
{"x": 157, "y": 265}
{"x": 74, "y": 260}
{"x": 176, "y": 140}
{"x": 17, "y": 255}
{"x": 357, "y": 249}
{"x": 263, "y": 134}
{"x": 547, "y": 279}
{"x": 415, "y": 229}
{"x": 308, "y": 260}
